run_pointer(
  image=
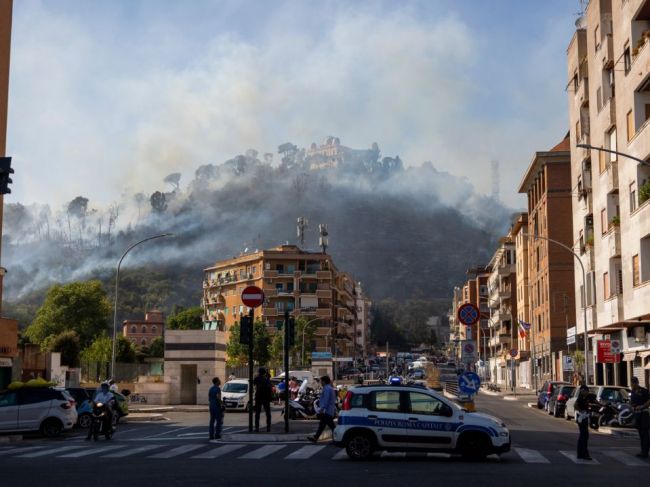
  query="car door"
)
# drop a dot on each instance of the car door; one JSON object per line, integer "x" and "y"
{"x": 430, "y": 422}
{"x": 34, "y": 404}
{"x": 8, "y": 411}
{"x": 387, "y": 417}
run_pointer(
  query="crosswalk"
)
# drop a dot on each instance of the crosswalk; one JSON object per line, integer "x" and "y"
{"x": 294, "y": 452}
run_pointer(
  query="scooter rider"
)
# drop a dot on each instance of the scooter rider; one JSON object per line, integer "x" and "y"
{"x": 104, "y": 396}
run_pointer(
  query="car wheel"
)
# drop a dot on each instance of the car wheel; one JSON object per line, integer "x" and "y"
{"x": 549, "y": 408}
{"x": 567, "y": 416}
{"x": 556, "y": 411}
{"x": 84, "y": 420}
{"x": 474, "y": 446}
{"x": 51, "y": 428}
{"x": 360, "y": 446}
{"x": 539, "y": 405}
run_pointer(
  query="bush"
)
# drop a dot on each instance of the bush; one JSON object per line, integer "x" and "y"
{"x": 644, "y": 193}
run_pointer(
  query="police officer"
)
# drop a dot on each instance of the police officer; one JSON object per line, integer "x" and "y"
{"x": 640, "y": 401}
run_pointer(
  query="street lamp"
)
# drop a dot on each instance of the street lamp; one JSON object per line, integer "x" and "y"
{"x": 584, "y": 291}
{"x": 117, "y": 282}
{"x": 302, "y": 350}
{"x": 602, "y": 149}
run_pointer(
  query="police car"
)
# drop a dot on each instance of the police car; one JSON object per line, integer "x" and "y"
{"x": 414, "y": 418}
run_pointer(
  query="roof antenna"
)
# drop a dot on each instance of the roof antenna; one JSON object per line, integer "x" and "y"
{"x": 303, "y": 223}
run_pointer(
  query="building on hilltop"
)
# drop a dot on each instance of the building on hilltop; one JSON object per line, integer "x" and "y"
{"x": 608, "y": 89}
{"x": 304, "y": 283}
{"x": 143, "y": 332}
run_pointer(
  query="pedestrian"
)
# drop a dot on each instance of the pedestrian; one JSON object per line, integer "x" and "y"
{"x": 112, "y": 385}
{"x": 640, "y": 401}
{"x": 216, "y": 409}
{"x": 231, "y": 377}
{"x": 582, "y": 417}
{"x": 326, "y": 408}
{"x": 293, "y": 388}
{"x": 263, "y": 396}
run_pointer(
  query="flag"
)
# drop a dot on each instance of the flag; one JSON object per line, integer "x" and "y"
{"x": 523, "y": 328}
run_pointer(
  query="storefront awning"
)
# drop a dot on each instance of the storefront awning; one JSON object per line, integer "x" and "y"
{"x": 629, "y": 356}
{"x": 644, "y": 354}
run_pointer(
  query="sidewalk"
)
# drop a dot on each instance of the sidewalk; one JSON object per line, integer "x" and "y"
{"x": 509, "y": 395}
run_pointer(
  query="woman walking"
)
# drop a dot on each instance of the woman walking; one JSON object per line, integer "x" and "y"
{"x": 582, "y": 417}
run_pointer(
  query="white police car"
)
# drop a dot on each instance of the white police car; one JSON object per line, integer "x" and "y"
{"x": 414, "y": 418}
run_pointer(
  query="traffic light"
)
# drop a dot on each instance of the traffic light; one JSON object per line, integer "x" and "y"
{"x": 245, "y": 330}
{"x": 5, "y": 171}
{"x": 292, "y": 331}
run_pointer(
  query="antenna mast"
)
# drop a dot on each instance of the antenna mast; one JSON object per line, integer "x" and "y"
{"x": 303, "y": 223}
{"x": 323, "y": 241}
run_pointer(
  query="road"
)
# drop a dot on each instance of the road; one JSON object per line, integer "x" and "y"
{"x": 177, "y": 452}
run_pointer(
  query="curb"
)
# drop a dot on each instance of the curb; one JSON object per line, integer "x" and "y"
{"x": 144, "y": 418}
{"x": 618, "y": 432}
{"x": 11, "y": 438}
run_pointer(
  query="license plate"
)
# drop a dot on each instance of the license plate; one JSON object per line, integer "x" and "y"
{"x": 231, "y": 404}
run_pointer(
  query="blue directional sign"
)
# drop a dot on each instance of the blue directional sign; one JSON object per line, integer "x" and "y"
{"x": 469, "y": 383}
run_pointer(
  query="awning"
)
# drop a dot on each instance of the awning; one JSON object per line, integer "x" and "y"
{"x": 644, "y": 354}
{"x": 629, "y": 356}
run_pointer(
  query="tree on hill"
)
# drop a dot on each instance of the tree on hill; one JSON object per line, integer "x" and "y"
{"x": 78, "y": 306}
{"x": 187, "y": 319}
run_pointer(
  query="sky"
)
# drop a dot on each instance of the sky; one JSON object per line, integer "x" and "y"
{"x": 108, "y": 97}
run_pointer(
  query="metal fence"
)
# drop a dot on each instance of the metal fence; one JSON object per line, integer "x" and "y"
{"x": 99, "y": 371}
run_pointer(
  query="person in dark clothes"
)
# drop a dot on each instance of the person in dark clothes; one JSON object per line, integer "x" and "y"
{"x": 216, "y": 409}
{"x": 263, "y": 396}
{"x": 640, "y": 401}
{"x": 582, "y": 417}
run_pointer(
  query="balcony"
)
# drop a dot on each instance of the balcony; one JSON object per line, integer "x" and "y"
{"x": 268, "y": 274}
{"x": 583, "y": 91}
{"x": 324, "y": 312}
{"x": 323, "y": 274}
{"x": 612, "y": 310}
{"x": 608, "y": 52}
{"x": 324, "y": 293}
{"x": 504, "y": 293}
{"x": 614, "y": 240}
{"x": 499, "y": 340}
{"x": 270, "y": 312}
{"x": 611, "y": 183}
{"x": 502, "y": 314}
{"x": 641, "y": 60}
{"x": 587, "y": 201}
{"x": 506, "y": 270}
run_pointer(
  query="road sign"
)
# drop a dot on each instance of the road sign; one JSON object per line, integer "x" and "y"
{"x": 615, "y": 346}
{"x": 571, "y": 336}
{"x": 252, "y": 296}
{"x": 321, "y": 355}
{"x": 468, "y": 314}
{"x": 468, "y": 351}
{"x": 605, "y": 353}
{"x": 469, "y": 383}
{"x": 513, "y": 352}
{"x": 567, "y": 363}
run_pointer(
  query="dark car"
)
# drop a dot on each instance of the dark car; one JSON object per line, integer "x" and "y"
{"x": 545, "y": 393}
{"x": 557, "y": 402}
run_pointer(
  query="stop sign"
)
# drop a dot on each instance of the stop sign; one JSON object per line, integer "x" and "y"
{"x": 252, "y": 296}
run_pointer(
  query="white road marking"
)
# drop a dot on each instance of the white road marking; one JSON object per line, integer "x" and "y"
{"x": 49, "y": 452}
{"x": 625, "y": 458}
{"x": 179, "y": 450}
{"x": 169, "y": 432}
{"x": 394, "y": 454}
{"x": 531, "y": 456}
{"x": 340, "y": 455}
{"x": 304, "y": 453}
{"x": 439, "y": 455}
{"x": 131, "y": 451}
{"x": 90, "y": 451}
{"x": 20, "y": 450}
{"x": 262, "y": 452}
{"x": 219, "y": 452}
{"x": 573, "y": 457}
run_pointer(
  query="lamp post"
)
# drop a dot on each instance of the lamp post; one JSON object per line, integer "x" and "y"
{"x": 302, "y": 350}
{"x": 584, "y": 291}
{"x": 117, "y": 283}
{"x": 602, "y": 149}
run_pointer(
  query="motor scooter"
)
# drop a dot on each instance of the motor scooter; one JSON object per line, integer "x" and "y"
{"x": 305, "y": 406}
{"x": 102, "y": 423}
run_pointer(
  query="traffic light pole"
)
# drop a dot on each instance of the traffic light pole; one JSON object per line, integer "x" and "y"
{"x": 250, "y": 369}
{"x": 286, "y": 371}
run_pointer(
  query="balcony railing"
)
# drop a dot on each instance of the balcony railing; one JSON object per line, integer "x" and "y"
{"x": 614, "y": 240}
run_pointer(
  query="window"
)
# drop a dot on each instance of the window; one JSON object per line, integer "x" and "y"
{"x": 7, "y": 399}
{"x": 143, "y": 342}
{"x": 606, "y": 293}
{"x": 425, "y": 404}
{"x": 154, "y": 329}
{"x": 279, "y": 324}
{"x": 603, "y": 221}
{"x": 386, "y": 401}
{"x": 279, "y": 287}
{"x": 144, "y": 328}
{"x": 597, "y": 37}
{"x": 636, "y": 275}
{"x": 134, "y": 329}
{"x": 602, "y": 160}
{"x": 630, "y": 125}
{"x": 611, "y": 136}
{"x": 627, "y": 59}
{"x": 633, "y": 198}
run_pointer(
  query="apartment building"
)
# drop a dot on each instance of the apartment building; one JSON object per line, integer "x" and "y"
{"x": 303, "y": 283}
{"x": 362, "y": 332}
{"x": 143, "y": 332}
{"x": 547, "y": 184}
{"x": 608, "y": 62}
{"x": 502, "y": 302}
{"x": 518, "y": 234}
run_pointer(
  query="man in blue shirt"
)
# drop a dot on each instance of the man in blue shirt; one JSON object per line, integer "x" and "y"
{"x": 326, "y": 408}
{"x": 216, "y": 410}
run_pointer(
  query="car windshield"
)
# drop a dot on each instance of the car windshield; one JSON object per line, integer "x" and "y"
{"x": 235, "y": 387}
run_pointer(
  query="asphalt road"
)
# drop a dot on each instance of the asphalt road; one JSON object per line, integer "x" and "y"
{"x": 177, "y": 452}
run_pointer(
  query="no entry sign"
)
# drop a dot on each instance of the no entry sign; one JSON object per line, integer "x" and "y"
{"x": 468, "y": 314}
{"x": 252, "y": 296}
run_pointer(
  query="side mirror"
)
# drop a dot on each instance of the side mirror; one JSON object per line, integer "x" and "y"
{"x": 447, "y": 411}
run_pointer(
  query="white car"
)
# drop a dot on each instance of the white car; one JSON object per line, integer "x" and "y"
{"x": 49, "y": 410}
{"x": 414, "y": 418}
{"x": 234, "y": 394}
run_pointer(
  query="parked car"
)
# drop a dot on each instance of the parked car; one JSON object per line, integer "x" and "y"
{"x": 601, "y": 394}
{"x": 557, "y": 402}
{"x": 234, "y": 394}
{"x": 83, "y": 402}
{"x": 546, "y": 391}
{"x": 49, "y": 410}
